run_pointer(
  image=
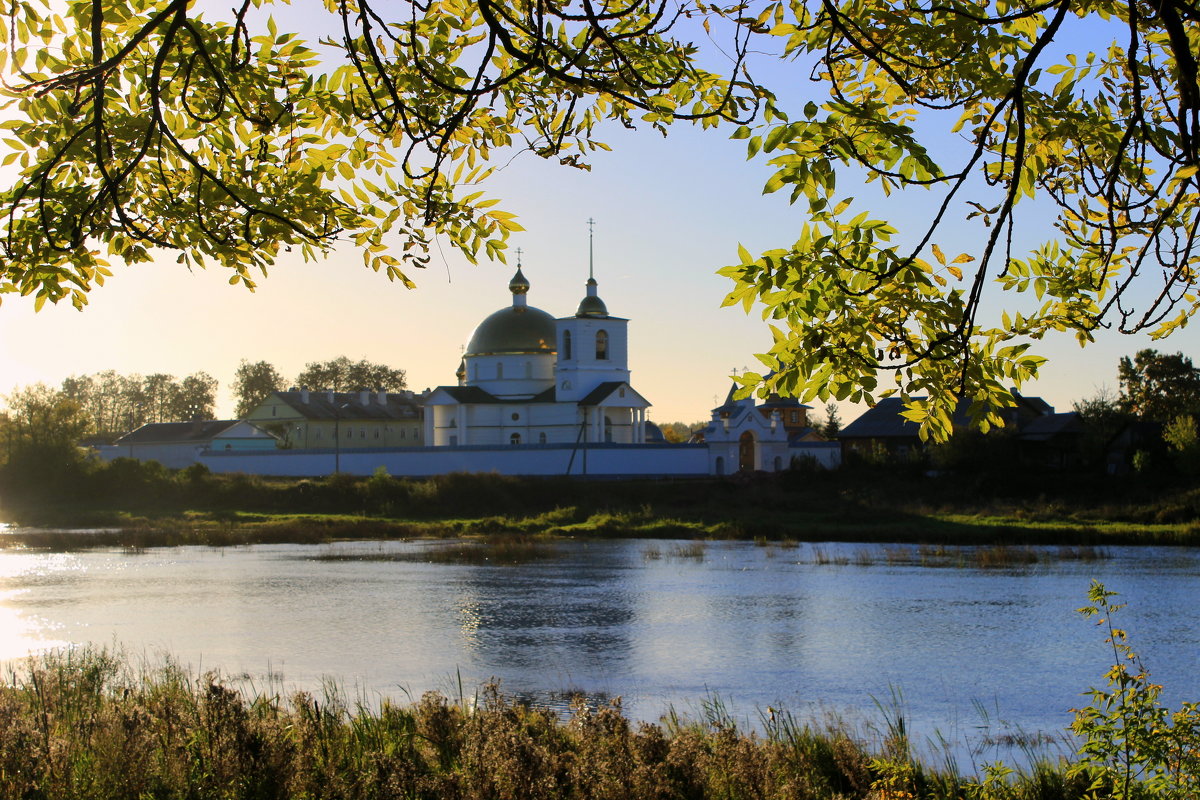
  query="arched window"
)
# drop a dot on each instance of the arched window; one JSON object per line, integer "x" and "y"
{"x": 608, "y": 429}
{"x": 601, "y": 345}
{"x": 720, "y": 465}
{"x": 566, "y": 344}
{"x": 542, "y": 437}
{"x": 514, "y": 439}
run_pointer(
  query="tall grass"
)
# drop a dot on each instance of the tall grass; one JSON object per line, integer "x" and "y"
{"x": 85, "y": 724}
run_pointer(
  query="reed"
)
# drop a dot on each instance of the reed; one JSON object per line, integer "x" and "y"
{"x": 88, "y": 726}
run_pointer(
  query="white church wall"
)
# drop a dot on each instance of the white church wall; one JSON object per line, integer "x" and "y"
{"x": 596, "y": 460}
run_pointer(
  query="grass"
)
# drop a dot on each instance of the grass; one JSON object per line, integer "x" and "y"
{"x": 146, "y": 507}
{"x": 88, "y": 725}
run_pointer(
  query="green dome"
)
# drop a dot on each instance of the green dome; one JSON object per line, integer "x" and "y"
{"x": 591, "y": 305}
{"x": 519, "y": 329}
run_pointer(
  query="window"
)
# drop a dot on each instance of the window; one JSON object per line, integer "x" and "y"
{"x": 542, "y": 437}
{"x": 601, "y": 345}
{"x": 795, "y": 416}
{"x": 318, "y": 436}
{"x": 608, "y": 429}
{"x": 377, "y": 433}
{"x": 403, "y": 433}
{"x": 566, "y": 344}
{"x": 514, "y": 439}
{"x": 499, "y": 370}
{"x": 515, "y": 416}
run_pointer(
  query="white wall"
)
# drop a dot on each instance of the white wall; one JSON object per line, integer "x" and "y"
{"x": 613, "y": 460}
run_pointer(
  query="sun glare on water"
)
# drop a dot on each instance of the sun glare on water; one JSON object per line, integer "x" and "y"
{"x": 20, "y": 635}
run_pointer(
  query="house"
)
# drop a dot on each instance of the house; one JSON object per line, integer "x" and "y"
{"x": 178, "y": 444}
{"x": 882, "y": 430}
{"x": 303, "y": 419}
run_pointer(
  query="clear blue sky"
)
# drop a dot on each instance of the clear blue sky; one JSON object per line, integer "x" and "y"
{"x": 669, "y": 212}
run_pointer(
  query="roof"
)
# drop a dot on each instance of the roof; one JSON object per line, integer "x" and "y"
{"x": 603, "y": 391}
{"x": 881, "y": 421}
{"x": 518, "y": 329}
{"x": 349, "y": 405}
{"x": 1047, "y": 427}
{"x": 476, "y": 395}
{"x": 514, "y": 330}
{"x": 197, "y": 432}
{"x": 884, "y": 420}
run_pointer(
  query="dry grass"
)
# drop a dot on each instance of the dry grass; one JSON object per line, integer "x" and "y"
{"x": 83, "y": 725}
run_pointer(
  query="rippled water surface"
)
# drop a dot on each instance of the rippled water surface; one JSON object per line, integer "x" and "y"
{"x": 657, "y": 623}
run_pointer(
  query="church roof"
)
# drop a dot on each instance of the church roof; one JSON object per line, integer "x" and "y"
{"x": 476, "y": 395}
{"x": 518, "y": 329}
{"x": 604, "y": 390}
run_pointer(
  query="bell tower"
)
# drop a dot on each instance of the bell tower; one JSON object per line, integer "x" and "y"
{"x": 593, "y": 346}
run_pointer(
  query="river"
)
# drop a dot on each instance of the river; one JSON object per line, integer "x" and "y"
{"x": 842, "y": 629}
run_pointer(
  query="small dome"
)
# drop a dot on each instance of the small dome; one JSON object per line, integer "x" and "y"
{"x": 519, "y": 284}
{"x": 591, "y": 305}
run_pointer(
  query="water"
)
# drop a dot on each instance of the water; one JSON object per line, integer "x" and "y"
{"x": 647, "y": 621}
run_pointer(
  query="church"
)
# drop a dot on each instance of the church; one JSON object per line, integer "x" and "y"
{"x": 528, "y": 378}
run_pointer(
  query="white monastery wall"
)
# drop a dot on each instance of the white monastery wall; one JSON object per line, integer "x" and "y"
{"x": 645, "y": 460}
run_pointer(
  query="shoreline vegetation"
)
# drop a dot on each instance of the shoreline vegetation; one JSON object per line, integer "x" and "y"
{"x": 131, "y": 504}
{"x": 88, "y": 724}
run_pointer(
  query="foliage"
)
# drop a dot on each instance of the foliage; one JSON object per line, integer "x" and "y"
{"x": 677, "y": 432}
{"x": 1183, "y": 440}
{"x": 343, "y": 375}
{"x": 1133, "y": 747}
{"x": 970, "y": 103}
{"x": 1102, "y": 419}
{"x": 1158, "y": 387}
{"x": 117, "y": 404}
{"x": 38, "y": 416}
{"x": 253, "y": 383}
{"x": 833, "y": 423}
{"x": 150, "y": 125}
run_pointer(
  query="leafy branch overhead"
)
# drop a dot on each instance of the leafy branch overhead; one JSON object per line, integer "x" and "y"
{"x": 1103, "y": 142}
{"x": 145, "y": 124}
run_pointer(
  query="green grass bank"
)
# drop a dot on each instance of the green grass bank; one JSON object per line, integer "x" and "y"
{"x": 143, "y": 504}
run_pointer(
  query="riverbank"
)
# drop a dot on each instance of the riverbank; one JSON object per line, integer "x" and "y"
{"x": 134, "y": 505}
{"x": 84, "y": 724}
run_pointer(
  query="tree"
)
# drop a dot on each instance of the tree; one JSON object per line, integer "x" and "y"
{"x": 116, "y": 404}
{"x": 678, "y": 432}
{"x": 1158, "y": 387}
{"x": 1102, "y": 418}
{"x": 195, "y": 398}
{"x": 146, "y": 126}
{"x": 149, "y": 125}
{"x": 833, "y": 423}
{"x": 41, "y": 417}
{"x": 1107, "y": 141}
{"x": 343, "y": 375}
{"x": 253, "y": 383}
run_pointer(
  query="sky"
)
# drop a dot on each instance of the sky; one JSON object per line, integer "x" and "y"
{"x": 669, "y": 212}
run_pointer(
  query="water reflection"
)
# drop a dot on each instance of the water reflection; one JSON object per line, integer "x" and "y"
{"x": 755, "y": 626}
